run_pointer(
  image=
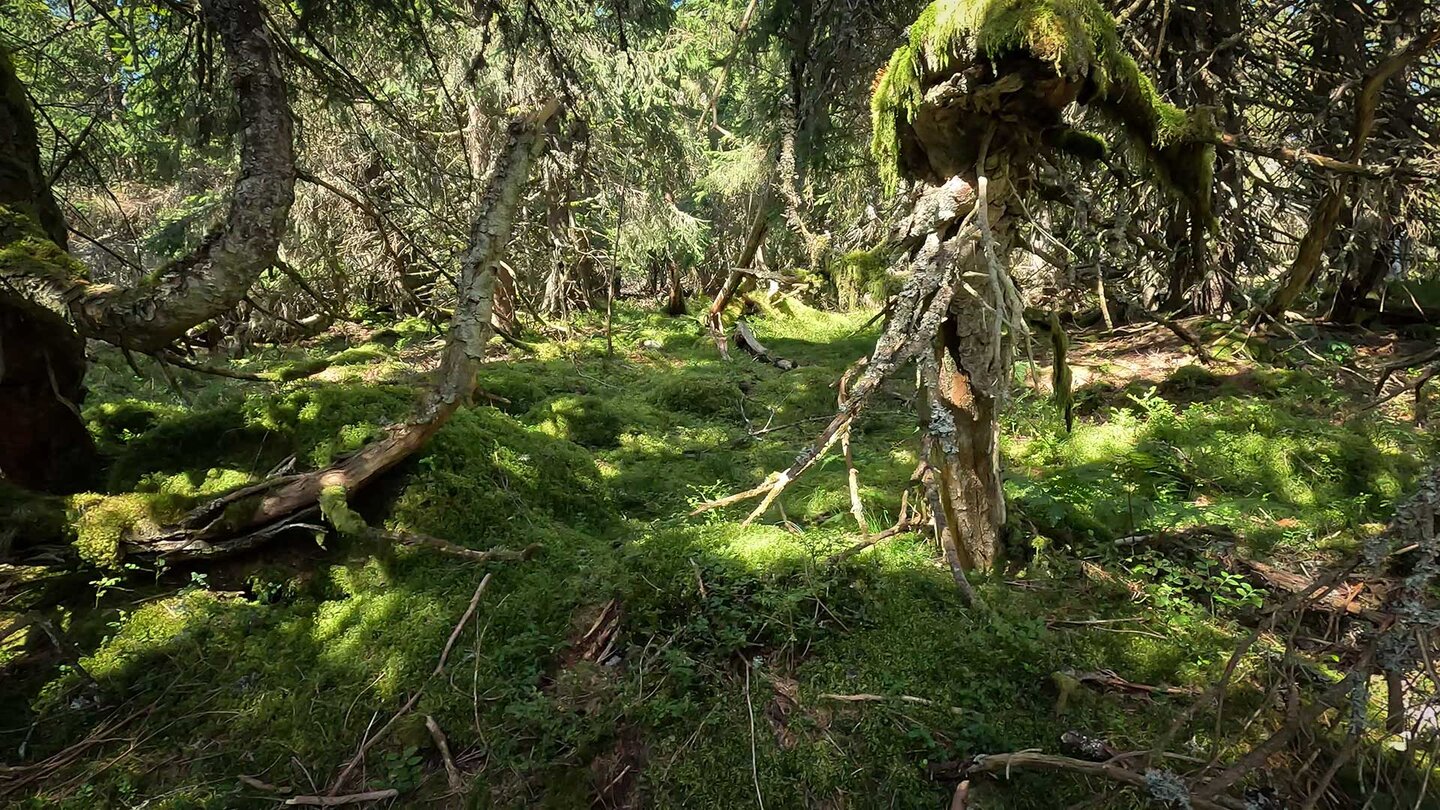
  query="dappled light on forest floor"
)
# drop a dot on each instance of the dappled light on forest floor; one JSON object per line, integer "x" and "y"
{"x": 275, "y": 664}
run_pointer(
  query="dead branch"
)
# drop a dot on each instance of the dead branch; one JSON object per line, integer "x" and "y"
{"x": 452, "y": 774}
{"x": 1110, "y": 769}
{"x": 371, "y": 739}
{"x": 868, "y": 698}
{"x": 338, "y": 801}
{"x": 746, "y": 341}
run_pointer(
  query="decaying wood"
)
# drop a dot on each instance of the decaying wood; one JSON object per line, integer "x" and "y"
{"x": 1113, "y": 769}
{"x": 1107, "y": 680}
{"x": 868, "y": 698}
{"x": 746, "y": 341}
{"x": 276, "y": 503}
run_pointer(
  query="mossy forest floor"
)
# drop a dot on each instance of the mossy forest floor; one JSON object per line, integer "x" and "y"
{"x": 646, "y": 658}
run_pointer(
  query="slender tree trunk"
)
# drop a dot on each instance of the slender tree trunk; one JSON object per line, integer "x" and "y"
{"x": 675, "y": 305}
{"x": 1322, "y": 224}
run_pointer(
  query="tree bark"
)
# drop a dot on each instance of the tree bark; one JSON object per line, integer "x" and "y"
{"x": 245, "y": 518}
{"x": 43, "y": 445}
{"x": 1322, "y": 223}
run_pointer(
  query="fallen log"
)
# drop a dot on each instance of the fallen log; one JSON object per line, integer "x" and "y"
{"x": 258, "y": 513}
{"x": 746, "y": 341}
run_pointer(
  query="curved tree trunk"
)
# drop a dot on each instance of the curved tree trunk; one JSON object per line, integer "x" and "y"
{"x": 47, "y": 292}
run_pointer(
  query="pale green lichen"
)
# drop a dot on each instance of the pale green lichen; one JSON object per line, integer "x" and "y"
{"x": 1079, "y": 39}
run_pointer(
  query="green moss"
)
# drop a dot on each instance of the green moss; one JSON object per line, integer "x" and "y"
{"x": 712, "y": 392}
{"x": 862, "y": 278}
{"x": 299, "y": 370}
{"x": 114, "y": 423}
{"x": 1079, "y": 40}
{"x": 487, "y": 479}
{"x": 336, "y": 509}
{"x": 585, "y": 420}
{"x": 26, "y": 251}
{"x": 101, "y": 522}
{"x": 521, "y": 385}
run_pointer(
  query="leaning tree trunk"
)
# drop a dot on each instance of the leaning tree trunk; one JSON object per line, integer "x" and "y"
{"x": 46, "y": 298}
{"x": 256, "y": 514}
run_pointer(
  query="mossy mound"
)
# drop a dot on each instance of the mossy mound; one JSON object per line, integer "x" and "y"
{"x": 485, "y": 479}
{"x": 114, "y": 423}
{"x": 585, "y": 420}
{"x": 710, "y": 392}
{"x": 521, "y": 386}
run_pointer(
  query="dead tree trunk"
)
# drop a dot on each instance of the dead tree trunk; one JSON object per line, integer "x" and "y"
{"x": 255, "y": 514}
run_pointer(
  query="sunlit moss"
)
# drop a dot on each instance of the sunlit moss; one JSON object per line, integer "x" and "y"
{"x": 101, "y": 522}
{"x": 585, "y": 420}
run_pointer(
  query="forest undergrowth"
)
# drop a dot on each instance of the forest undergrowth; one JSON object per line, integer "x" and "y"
{"x": 642, "y": 657}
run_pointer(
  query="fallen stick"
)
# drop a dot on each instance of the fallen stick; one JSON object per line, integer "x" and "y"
{"x": 1004, "y": 763}
{"x": 866, "y": 698}
{"x": 370, "y": 741}
{"x": 452, "y": 773}
{"x": 336, "y": 801}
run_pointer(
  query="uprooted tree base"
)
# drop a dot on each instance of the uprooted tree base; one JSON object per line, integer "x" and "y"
{"x": 965, "y": 109}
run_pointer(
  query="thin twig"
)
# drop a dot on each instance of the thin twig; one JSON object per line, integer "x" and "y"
{"x": 371, "y": 740}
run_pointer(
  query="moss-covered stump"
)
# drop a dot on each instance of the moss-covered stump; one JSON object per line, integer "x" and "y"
{"x": 969, "y": 63}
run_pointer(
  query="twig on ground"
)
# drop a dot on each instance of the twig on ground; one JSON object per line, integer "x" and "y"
{"x": 867, "y": 698}
{"x": 452, "y": 773}
{"x": 370, "y": 740}
{"x": 337, "y": 801}
{"x": 754, "y": 765}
